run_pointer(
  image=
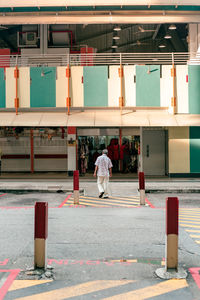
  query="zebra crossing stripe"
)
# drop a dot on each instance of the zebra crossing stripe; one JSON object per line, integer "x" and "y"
{"x": 100, "y": 201}
{"x": 152, "y": 291}
{"x": 111, "y": 199}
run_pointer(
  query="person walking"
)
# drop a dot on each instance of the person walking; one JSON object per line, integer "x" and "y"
{"x": 103, "y": 170}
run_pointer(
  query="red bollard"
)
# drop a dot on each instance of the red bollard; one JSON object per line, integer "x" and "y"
{"x": 41, "y": 233}
{"x": 172, "y": 206}
{"x": 142, "y": 188}
{"x": 76, "y": 187}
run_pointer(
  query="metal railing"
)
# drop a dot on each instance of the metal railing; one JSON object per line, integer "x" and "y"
{"x": 97, "y": 59}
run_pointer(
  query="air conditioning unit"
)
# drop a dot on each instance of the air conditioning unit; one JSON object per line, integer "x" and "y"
{"x": 31, "y": 38}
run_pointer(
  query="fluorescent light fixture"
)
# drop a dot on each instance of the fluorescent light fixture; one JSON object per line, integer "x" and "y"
{"x": 117, "y": 28}
{"x": 114, "y": 46}
{"x": 162, "y": 46}
{"x": 116, "y": 37}
{"x": 167, "y": 36}
{"x": 172, "y": 27}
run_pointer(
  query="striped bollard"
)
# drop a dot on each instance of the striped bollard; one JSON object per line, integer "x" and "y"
{"x": 41, "y": 233}
{"x": 76, "y": 187}
{"x": 142, "y": 188}
{"x": 171, "y": 269}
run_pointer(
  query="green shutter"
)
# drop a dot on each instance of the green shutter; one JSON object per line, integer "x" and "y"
{"x": 95, "y": 86}
{"x": 194, "y": 149}
{"x": 148, "y": 85}
{"x": 2, "y": 89}
{"x": 43, "y": 87}
{"x": 194, "y": 89}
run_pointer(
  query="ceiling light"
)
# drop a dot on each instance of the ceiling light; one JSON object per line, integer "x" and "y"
{"x": 162, "y": 46}
{"x": 116, "y": 37}
{"x": 117, "y": 28}
{"x": 114, "y": 46}
{"x": 172, "y": 27}
{"x": 167, "y": 36}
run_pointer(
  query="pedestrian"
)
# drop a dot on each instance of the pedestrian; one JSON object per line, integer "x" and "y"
{"x": 103, "y": 170}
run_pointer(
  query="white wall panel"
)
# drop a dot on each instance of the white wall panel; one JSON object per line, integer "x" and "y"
{"x": 77, "y": 87}
{"x": 24, "y": 87}
{"x": 113, "y": 86}
{"x": 166, "y": 86}
{"x": 10, "y": 88}
{"x": 182, "y": 89}
{"x": 61, "y": 87}
{"x": 130, "y": 86}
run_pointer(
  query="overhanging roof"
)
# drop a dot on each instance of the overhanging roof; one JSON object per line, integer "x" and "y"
{"x": 98, "y": 118}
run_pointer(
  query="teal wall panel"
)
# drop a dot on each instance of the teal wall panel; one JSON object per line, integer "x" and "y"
{"x": 95, "y": 86}
{"x": 2, "y": 89}
{"x": 148, "y": 85}
{"x": 194, "y": 89}
{"x": 194, "y": 149}
{"x": 43, "y": 87}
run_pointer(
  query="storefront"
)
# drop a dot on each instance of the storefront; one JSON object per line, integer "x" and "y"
{"x": 123, "y": 147}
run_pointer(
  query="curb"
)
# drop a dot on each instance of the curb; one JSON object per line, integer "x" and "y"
{"x": 178, "y": 191}
{"x": 24, "y": 191}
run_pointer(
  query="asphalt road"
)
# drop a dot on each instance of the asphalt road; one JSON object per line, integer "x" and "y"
{"x": 97, "y": 252}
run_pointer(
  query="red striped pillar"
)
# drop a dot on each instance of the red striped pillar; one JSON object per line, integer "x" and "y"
{"x": 172, "y": 205}
{"x": 41, "y": 233}
{"x": 76, "y": 187}
{"x": 142, "y": 188}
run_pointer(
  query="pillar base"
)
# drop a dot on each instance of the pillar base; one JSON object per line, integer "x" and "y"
{"x": 40, "y": 253}
{"x": 76, "y": 197}
{"x": 142, "y": 197}
{"x": 171, "y": 273}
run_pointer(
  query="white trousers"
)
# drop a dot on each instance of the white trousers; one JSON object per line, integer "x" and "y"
{"x": 102, "y": 183}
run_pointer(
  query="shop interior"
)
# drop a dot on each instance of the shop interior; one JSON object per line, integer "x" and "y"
{"x": 124, "y": 158}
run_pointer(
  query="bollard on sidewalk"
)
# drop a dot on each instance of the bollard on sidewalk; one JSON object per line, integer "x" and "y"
{"x": 171, "y": 269}
{"x": 76, "y": 187}
{"x": 142, "y": 188}
{"x": 41, "y": 233}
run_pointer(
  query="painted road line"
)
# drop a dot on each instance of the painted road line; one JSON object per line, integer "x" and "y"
{"x": 22, "y": 284}
{"x": 152, "y": 291}
{"x": 198, "y": 242}
{"x": 111, "y": 199}
{"x": 195, "y": 236}
{"x": 190, "y": 226}
{"x": 190, "y": 214}
{"x": 3, "y": 195}
{"x": 196, "y": 275}
{"x": 189, "y": 218}
{"x": 149, "y": 203}
{"x": 190, "y": 222}
{"x": 99, "y": 202}
{"x": 78, "y": 290}
{"x": 193, "y": 230}
{"x": 7, "y": 283}
{"x": 63, "y": 203}
{"x": 82, "y": 204}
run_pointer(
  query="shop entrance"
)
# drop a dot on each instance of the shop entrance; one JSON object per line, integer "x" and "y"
{"x": 122, "y": 151}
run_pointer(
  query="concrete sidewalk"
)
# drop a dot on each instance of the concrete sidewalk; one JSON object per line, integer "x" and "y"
{"x": 158, "y": 185}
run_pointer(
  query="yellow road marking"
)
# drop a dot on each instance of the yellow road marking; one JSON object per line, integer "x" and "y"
{"x": 198, "y": 242}
{"x": 195, "y": 236}
{"x": 77, "y": 290}
{"x": 192, "y": 214}
{"x": 193, "y": 230}
{"x": 100, "y": 201}
{"x": 109, "y": 200}
{"x": 22, "y": 284}
{"x": 186, "y": 225}
{"x": 152, "y": 291}
{"x": 189, "y": 222}
{"x": 189, "y": 218}
{"x": 81, "y": 203}
{"x": 137, "y": 198}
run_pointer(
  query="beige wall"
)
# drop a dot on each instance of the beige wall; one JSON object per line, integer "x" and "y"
{"x": 166, "y": 86}
{"x": 179, "y": 150}
{"x": 61, "y": 87}
{"x": 182, "y": 89}
{"x": 77, "y": 86}
{"x": 114, "y": 90}
{"x": 130, "y": 86}
{"x": 10, "y": 88}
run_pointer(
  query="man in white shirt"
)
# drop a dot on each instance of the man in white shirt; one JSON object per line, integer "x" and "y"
{"x": 103, "y": 170}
